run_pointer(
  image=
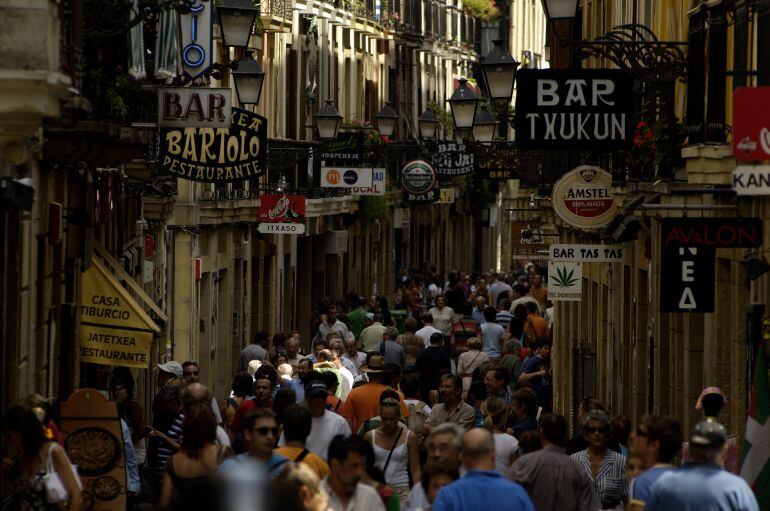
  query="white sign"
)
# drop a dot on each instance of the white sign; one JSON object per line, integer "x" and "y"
{"x": 587, "y": 253}
{"x": 447, "y": 195}
{"x": 179, "y": 107}
{"x": 752, "y": 180}
{"x": 378, "y": 184}
{"x": 281, "y": 228}
{"x": 339, "y": 177}
{"x": 565, "y": 281}
{"x": 583, "y": 197}
{"x": 197, "y": 27}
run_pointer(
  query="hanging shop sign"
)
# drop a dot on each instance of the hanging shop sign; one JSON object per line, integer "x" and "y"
{"x": 574, "y": 108}
{"x": 712, "y": 232}
{"x": 586, "y": 253}
{"x": 583, "y": 197}
{"x": 752, "y": 180}
{"x": 687, "y": 278}
{"x": 281, "y": 214}
{"x": 217, "y": 155}
{"x": 450, "y": 159}
{"x": 378, "y": 184}
{"x": 447, "y": 195}
{"x": 114, "y": 329}
{"x": 565, "y": 281}
{"x": 751, "y": 132}
{"x": 418, "y": 180}
{"x": 346, "y": 149}
{"x": 93, "y": 440}
{"x": 180, "y": 107}
{"x": 345, "y": 177}
{"x": 496, "y": 161}
{"x": 197, "y": 41}
{"x": 526, "y": 235}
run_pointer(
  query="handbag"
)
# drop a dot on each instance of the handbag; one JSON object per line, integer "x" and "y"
{"x": 54, "y": 488}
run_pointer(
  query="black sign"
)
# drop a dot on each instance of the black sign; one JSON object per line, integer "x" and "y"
{"x": 418, "y": 180}
{"x": 712, "y": 232}
{"x": 687, "y": 276}
{"x": 574, "y": 108}
{"x": 346, "y": 150}
{"x": 217, "y": 155}
{"x": 450, "y": 158}
{"x": 496, "y": 161}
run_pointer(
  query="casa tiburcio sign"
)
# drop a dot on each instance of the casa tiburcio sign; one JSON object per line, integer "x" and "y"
{"x": 574, "y": 109}
{"x": 751, "y": 131}
{"x": 418, "y": 180}
{"x": 583, "y": 197}
{"x": 281, "y": 214}
{"x": 217, "y": 155}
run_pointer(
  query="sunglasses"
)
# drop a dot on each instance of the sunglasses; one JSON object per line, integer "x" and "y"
{"x": 265, "y": 430}
{"x": 603, "y": 429}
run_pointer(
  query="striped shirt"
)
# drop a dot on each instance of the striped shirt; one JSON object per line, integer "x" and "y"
{"x": 503, "y": 318}
{"x": 610, "y": 483}
{"x": 165, "y": 451}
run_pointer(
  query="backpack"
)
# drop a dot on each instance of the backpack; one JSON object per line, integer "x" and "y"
{"x": 416, "y": 421}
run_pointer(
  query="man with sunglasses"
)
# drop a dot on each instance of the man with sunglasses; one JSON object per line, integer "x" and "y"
{"x": 244, "y": 475}
{"x": 655, "y": 442}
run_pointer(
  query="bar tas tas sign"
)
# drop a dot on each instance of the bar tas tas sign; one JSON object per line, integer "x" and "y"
{"x": 217, "y": 155}
{"x": 574, "y": 109}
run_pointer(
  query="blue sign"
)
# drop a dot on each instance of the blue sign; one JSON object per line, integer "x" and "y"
{"x": 197, "y": 38}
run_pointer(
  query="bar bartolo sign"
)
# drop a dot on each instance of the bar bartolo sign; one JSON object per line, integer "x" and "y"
{"x": 217, "y": 155}
{"x": 573, "y": 109}
{"x": 583, "y": 197}
{"x": 114, "y": 329}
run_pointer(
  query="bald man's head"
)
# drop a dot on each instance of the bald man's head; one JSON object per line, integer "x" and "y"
{"x": 196, "y": 393}
{"x": 478, "y": 450}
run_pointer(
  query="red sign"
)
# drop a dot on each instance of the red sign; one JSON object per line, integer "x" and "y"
{"x": 751, "y": 124}
{"x": 149, "y": 245}
{"x": 54, "y": 222}
{"x": 281, "y": 213}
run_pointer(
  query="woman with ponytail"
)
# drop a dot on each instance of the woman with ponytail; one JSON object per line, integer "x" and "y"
{"x": 495, "y": 416}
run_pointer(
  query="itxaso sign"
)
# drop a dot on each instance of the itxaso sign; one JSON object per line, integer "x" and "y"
{"x": 217, "y": 155}
{"x": 418, "y": 180}
{"x": 583, "y": 197}
{"x": 573, "y": 109}
{"x": 751, "y": 129}
{"x": 281, "y": 214}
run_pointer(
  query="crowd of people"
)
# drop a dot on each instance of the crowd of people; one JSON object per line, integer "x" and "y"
{"x": 443, "y": 402}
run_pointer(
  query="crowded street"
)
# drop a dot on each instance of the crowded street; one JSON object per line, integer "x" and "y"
{"x": 384, "y": 255}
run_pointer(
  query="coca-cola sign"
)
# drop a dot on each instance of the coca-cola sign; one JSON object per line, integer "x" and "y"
{"x": 751, "y": 131}
{"x": 281, "y": 214}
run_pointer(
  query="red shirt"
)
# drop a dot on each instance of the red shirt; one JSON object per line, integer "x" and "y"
{"x": 244, "y": 410}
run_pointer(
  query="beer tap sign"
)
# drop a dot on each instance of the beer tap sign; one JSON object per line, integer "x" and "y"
{"x": 281, "y": 214}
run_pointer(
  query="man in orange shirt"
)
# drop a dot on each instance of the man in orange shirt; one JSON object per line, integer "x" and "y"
{"x": 537, "y": 290}
{"x": 363, "y": 402}
{"x": 535, "y": 327}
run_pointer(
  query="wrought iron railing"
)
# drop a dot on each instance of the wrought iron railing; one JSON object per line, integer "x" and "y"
{"x": 278, "y": 8}
{"x": 253, "y": 193}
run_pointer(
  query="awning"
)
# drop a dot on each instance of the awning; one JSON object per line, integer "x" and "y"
{"x": 114, "y": 329}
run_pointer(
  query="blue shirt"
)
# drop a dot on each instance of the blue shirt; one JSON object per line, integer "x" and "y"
{"x": 491, "y": 335}
{"x": 482, "y": 490}
{"x": 542, "y": 385}
{"x": 642, "y": 484}
{"x": 700, "y": 487}
{"x": 133, "y": 483}
{"x": 477, "y": 315}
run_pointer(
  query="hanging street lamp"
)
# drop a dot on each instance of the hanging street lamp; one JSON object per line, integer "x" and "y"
{"x": 499, "y": 70}
{"x": 249, "y": 78}
{"x": 428, "y": 124}
{"x": 236, "y": 22}
{"x": 386, "y": 120}
{"x": 484, "y": 126}
{"x": 560, "y": 9}
{"x": 328, "y": 121}
{"x": 463, "y": 104}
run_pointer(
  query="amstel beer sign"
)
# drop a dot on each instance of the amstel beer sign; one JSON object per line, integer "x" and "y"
{"x": 583, "y": 197}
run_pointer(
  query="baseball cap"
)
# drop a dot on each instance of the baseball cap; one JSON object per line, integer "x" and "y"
{"x": 172, "y": 367}
{"x": 316, "y": 388}
{"x": 369, "y": 316}
{"x": 708, "y": 434}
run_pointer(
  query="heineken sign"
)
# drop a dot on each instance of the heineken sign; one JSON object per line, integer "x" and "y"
{"x": 418, "y": 180}
{"x": 574, "y": 109}
{"x": 217, "y": 155}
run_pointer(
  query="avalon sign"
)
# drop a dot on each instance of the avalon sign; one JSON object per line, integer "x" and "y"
{"x": 712, "y": 232}
{"x": 583, "y": 197}
{"x": 752, "y": 180}
{"x": 573, "y": 109}
{"x": 217, "y": 155}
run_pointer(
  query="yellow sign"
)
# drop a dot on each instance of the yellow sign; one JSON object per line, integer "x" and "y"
{"x": 114, "y": 329}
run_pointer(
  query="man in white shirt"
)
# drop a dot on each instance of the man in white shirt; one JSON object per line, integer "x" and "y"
{"x": 520, "y": 297}
{"x": 347, "y": 461}
{"x": 331, "y": 324}
{"x": 355, "y": 357}
{"x": 326, "y": 424}
{"x": 427, "y": 330}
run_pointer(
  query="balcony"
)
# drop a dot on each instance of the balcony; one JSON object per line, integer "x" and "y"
{"x": 276, "y": 15}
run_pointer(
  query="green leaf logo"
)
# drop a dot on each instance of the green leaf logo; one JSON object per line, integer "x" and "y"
{"x": 565, "y": 279}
